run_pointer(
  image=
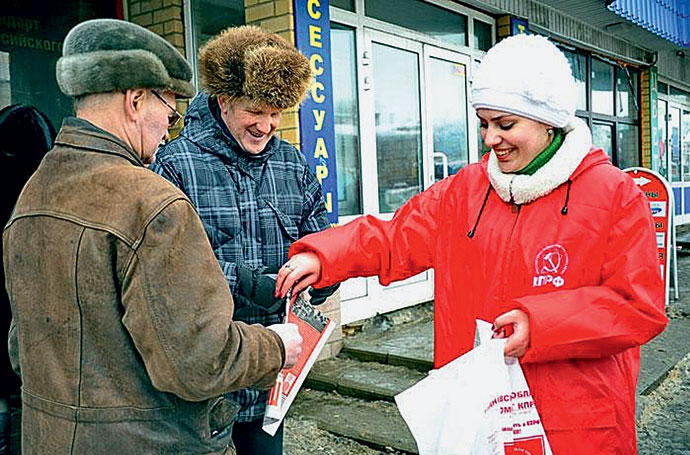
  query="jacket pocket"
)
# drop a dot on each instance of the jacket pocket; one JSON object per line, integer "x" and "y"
{"x": 221, "y": 416}
{"x": 287, "y": 226}
{"x": 586, "y": 424}
{"x": 576, "y": 414}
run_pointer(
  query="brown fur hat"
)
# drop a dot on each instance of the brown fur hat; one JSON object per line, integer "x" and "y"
{"x": 250, "y": 62}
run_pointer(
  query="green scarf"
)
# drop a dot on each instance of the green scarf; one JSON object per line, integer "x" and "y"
{"x": 545, "y": 154}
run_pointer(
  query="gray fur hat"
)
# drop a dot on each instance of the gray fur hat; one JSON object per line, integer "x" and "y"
{"x": 251, "y": 62}
{"x": 106, "y": 55}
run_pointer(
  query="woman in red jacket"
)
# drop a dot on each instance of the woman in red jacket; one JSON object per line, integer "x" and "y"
{"x": 544, "y": 237}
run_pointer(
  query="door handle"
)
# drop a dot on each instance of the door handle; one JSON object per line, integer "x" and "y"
{"x": 444, "y": 163}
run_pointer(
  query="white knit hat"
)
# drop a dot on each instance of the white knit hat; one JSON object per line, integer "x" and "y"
{"x": 529, "y": 76}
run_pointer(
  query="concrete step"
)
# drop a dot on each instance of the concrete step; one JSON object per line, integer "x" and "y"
{"x": 366, "y": 380}
{"x": 357, "y": 404}
{"x": 374, "y": 423}
{"x": 411, "y": 346}
{"x": 408, "y": 345}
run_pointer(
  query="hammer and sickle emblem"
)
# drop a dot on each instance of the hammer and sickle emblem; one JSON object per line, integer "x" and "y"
{"x": 552, "y": 261}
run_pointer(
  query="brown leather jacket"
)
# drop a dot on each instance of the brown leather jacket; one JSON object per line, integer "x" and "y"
{"x": 122, "y": 317}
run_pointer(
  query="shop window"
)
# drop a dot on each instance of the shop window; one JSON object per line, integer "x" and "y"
{"x": 679, "y": 96}
{"x": 483, "y": 38}
{"x": 448, "y": 115}
{"x": 661, "y": 145}
{"x": 627, "y": 152}
{"x": 685, "y": 145}
{"x": 662, "y": 88}
{"x": 578, "y": 63}
{"x": 602, "y": 137}
{"x": 602, "y": 87}
{"x": 674, "y": 142}
{"x": 344, "y": 4}
{"x": 347, "y": 140}
{"x": 481, "y": 146}
{"x": 626, "y": 93}
{"x": 5, "y": 87}
{"x": 398, "y": 126}
{"x": 426, "y": 18}
{"x": 31, "y": 36}
{"x": 607, "y": 101}
{"x": 211, "y": 17}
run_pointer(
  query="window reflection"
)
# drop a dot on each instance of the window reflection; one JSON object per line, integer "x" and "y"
{"x": 422, "y": 17}
{"x": 346, "y": 120}
{"x": 679, "y": 96}
{"x": 674, "y": 142}
{"x": 626, "y": 146}
{"x": 602, "y": 87}
{"x": 685, "y": 158}
{"x": 210, "y": 17}
{"x": 398, "y": 126}
{"x": 449, "y": 116}
{"x": 578, "y": 63}
{"x": 662, "y": 147}
{"x": 602, "y": 137}
{"x": 344, "y": 4}
{"x": 482, "y": 35}
{"x": 5, "y": 86}
{"x": 626, "y": 83}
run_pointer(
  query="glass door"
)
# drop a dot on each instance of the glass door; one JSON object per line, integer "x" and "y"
{"x": 449, "y": 133}
{"x": 678, "y": 139}
{"x": 415, "y": 129}
{"x": 394, "y": 159}
{"x": 397, "y": 120}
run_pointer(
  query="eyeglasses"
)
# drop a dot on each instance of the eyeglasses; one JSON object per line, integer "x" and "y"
{"x": 174, "y": 115}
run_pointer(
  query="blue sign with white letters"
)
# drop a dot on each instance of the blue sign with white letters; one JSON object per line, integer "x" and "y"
{"x": 316, "y": 123}
{"x": 519, "y": 26}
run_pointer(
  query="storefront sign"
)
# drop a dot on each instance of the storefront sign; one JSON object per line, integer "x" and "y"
{"x": 16, "y": 31}
{"x": 518, "y": 26}
{"x": 316, "y": 127}
{"x": 660, "y": 196}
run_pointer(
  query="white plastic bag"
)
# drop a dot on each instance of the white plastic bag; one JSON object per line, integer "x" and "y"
{"x": 478, "y": 404}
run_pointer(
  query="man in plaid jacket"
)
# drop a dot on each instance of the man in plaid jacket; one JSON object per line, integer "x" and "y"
{"x": 254, "y": 192}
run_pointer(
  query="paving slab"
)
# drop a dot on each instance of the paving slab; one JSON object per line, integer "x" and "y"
{"x": 375, "y": 423}
{"x": 409, "y": 345}
{"x": 367, "y": 380}
{"x": 661, "y": 354}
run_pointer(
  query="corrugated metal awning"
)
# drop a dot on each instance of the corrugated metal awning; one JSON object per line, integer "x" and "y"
{"x": 669, "y": 19}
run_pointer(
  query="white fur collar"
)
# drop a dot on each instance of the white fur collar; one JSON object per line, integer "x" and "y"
{"x": 522, "y": 189}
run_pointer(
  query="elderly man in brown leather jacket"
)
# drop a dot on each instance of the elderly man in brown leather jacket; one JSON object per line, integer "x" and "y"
{"x": 122, "y": 318}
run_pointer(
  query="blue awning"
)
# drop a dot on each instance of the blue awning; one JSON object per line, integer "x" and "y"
{"x": 669, "y": 19}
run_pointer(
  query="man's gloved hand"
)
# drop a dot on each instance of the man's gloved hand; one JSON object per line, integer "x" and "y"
{"x": 256, "y": 287}
{"x": 318, "y": 296}
{"x": 292, "y": 341}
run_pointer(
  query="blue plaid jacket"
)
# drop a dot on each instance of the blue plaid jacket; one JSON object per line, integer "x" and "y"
{"x": 252, "y": 206}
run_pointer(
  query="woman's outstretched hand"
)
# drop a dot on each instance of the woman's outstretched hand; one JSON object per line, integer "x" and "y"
{"x": 298, "y": 273}
{"x": 517, "y": 334}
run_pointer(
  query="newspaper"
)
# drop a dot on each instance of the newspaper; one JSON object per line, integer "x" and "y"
{"x": 315, "y": 329}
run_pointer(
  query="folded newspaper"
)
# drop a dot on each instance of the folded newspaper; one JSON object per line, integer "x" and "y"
{"x": 315, "y": 329}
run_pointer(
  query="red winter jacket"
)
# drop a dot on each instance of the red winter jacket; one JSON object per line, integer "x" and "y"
{"x": 580, "y": 260}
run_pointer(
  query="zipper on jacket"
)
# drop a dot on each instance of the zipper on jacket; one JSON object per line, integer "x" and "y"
{"x": 514, "y": 208}
{"x": 472, "y": 231}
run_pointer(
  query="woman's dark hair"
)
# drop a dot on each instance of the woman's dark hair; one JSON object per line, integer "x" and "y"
{"x": 26, "y": 135}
